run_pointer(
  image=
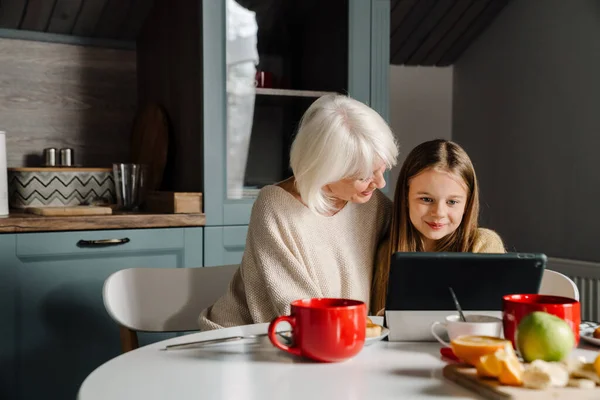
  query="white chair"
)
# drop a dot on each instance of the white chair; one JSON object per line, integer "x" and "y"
{"x": 162, "y": 299}
{"x": 556, "y": 284}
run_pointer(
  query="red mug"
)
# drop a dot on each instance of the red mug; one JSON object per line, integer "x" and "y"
{"x": 516, "y": 306}
{"x": 263, "y": 79}
{"x": 328, "y": 330}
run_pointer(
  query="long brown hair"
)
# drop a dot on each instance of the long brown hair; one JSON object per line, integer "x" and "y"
{"x": 403, "y": 236}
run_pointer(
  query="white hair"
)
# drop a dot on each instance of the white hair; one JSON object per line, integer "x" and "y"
{"x": 339, "y": 137}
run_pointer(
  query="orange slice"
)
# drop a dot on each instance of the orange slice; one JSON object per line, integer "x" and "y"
{"x": 512, "y": 370}
{"x": 502, "y": 364}
{"x": 597, "y": 365}
{"x": 489, "y": 366}
{"x": 470, "y": 348}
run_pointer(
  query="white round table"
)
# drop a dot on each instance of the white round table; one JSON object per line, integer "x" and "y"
{"x": 254, "y": 369}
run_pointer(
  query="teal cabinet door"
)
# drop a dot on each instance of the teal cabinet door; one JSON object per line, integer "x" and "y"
{"x": 363, "y": 66}
{"x": 224, "y": 245}
{"x": 8, "y": 315}
{"x": 65, "y": 332}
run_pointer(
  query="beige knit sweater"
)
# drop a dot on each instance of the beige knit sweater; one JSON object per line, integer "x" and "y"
{"x": 488, "y": 241}
{"x": 292, "y": 253}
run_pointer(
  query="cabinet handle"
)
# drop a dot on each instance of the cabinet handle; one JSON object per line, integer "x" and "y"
{"x": 102, "y": 242}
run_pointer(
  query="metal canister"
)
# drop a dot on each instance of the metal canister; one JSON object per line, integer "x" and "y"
{"x": 50, "y": 157}
{"x": 66, "y": 157}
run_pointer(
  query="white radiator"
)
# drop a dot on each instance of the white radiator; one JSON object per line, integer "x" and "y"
{"x": 586, "y": 276}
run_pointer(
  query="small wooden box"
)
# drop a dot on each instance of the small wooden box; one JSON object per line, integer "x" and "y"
{"x": 174, "y": 202}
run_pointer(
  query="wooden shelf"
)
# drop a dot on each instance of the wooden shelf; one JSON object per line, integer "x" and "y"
{"x": 19, "y": 221}
{"x": 291, "y": 92}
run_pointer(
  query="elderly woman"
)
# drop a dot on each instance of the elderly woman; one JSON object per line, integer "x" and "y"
{"x": 316, "y": 233}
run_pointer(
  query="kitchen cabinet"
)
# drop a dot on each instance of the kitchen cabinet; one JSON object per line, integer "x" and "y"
{"x": 51, "y": 286}
{"x": 308, "y": 48}
{"x": 61, "y": 331}
{"x": 9, "y": 268}
{"x": 224, "y": 245}
{"x": 339, "y": 46}
{"x": 179, "y": 56}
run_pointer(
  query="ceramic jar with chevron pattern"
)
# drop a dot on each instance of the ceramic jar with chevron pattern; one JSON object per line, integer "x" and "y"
{"x": 54, "y": 186}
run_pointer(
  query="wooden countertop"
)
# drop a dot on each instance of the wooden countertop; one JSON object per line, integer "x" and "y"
{"x": 24, "y": 222}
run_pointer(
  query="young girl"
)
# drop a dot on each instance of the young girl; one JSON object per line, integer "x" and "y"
{"x": 436, "y": 207}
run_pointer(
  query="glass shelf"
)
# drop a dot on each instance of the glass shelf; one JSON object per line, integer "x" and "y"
{"x": 291, "y": 92}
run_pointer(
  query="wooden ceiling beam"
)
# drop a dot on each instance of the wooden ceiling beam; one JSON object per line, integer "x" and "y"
{"x": 64, "y": 16}
{"x": 404, "y": 29}
{"x": 461, "y": 26}
{"x": 37, "y": 15}
{"x": 11, "y": 13}
{"x": 112, "y": 19}
{"x": 418, "y": 36}
{"x": 89, "y": 15}
{"x": 438, "y": 33}
{"x": 398, "y": 15}
{"x": 472, "y": 33}
{"x": 138, "y": 13}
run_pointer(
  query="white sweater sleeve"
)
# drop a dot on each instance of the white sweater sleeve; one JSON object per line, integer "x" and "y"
{"x": 270, "y": 277}
{"x": 273, "y": 274}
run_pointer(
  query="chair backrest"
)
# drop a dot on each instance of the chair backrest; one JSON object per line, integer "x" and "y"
{"x": 164, "y": 299}
{"x": 556, "y": 284}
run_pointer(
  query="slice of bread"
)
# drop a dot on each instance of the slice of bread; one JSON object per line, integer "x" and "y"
{"x": 373, "y": 330}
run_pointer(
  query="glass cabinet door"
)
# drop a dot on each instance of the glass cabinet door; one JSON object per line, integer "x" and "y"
{"x": 280, "y": 57}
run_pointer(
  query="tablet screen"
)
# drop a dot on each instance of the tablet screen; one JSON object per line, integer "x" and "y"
{"x": 421, "y": 281}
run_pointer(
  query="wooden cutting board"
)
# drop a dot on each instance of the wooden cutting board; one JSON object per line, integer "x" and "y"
{"x": 491, "y": 389}
{"x": 150, "y": 143}
{"x": 69, "y": 211}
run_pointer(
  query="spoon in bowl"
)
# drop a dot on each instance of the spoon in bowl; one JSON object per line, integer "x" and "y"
{"x": 458, "y": 308}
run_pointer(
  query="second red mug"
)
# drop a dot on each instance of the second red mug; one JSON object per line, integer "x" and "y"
{"x": 516, "y": 306}
{"x": 324, "y": 329}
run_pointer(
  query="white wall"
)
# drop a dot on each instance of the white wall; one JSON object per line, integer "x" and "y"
{"x": 420, "y": 108}
{"x": 526, "y": 108}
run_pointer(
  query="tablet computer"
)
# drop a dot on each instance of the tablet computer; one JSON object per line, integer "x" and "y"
{"x": 418, "y": 287}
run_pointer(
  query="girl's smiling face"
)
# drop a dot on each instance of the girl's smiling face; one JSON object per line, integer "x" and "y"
{"x": 436, "y": 204}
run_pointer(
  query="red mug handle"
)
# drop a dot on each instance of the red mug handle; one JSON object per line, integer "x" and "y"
{"x": 273, "y": 334}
